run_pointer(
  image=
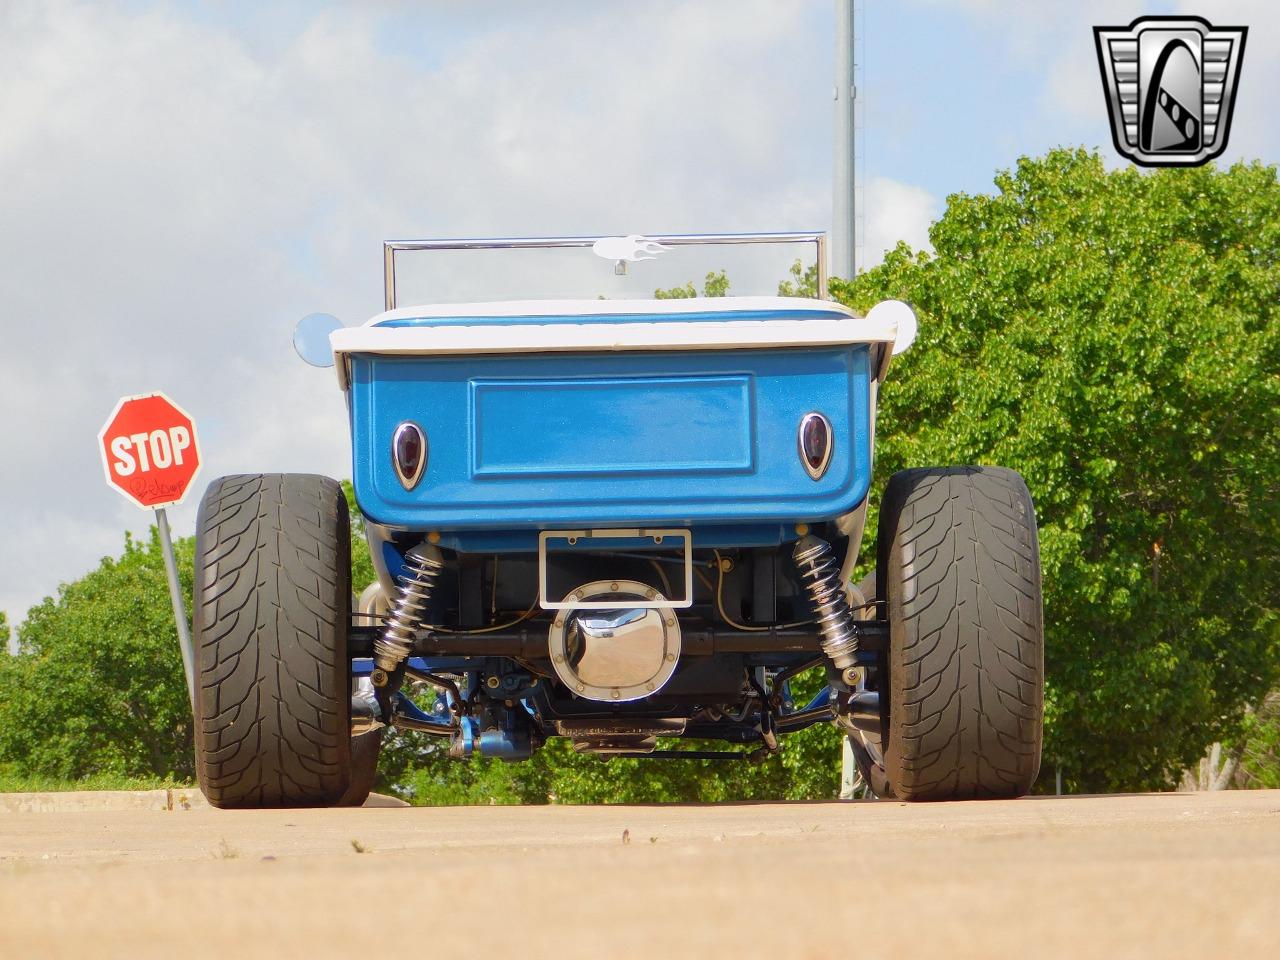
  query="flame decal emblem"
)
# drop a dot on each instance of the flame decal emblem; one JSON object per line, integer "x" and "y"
{"x": 630, "y": 248}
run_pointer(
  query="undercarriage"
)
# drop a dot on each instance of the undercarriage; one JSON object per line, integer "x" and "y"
{"x": 724, "y": 665}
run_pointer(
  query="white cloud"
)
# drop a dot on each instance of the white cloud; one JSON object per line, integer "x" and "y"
{"x": 896, "y": 211}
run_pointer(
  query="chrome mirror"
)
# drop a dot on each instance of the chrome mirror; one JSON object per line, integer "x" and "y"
{"x": 311, "y": 338}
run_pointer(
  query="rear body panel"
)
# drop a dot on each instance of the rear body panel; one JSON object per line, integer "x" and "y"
{"x": 545, "y": 441}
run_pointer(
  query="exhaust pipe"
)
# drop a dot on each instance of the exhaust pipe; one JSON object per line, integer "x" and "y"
{"x": 366, "y": 711}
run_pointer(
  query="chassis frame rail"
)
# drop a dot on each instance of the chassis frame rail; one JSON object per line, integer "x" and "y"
{"x": 531, "y": 644}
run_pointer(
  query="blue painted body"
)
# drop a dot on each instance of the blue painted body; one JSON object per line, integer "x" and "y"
{"x": 698, "y": 439}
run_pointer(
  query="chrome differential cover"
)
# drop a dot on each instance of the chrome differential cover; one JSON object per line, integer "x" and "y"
{"x": 622, "y": 653}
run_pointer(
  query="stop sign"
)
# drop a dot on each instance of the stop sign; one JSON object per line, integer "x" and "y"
{"x": 149, "y": 450}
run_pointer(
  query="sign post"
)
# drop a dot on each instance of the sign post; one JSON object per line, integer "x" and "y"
{"x": 150, "y": 454}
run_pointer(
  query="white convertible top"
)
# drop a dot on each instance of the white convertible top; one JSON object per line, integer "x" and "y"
{"x": 596, "y": 326}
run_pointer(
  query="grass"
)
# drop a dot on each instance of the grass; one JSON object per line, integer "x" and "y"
{"x": 32, "y": 783}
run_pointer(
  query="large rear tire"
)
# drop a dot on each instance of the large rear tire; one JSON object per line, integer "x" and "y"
{"x": 959, "y": 572}
{"x": 272, "y": 610}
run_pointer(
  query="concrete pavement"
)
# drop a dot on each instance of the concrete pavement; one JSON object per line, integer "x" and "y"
{"x": 1166, "y": 875}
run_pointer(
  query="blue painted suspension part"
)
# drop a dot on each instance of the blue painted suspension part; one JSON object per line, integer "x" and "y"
{"x": 501, "y": 731}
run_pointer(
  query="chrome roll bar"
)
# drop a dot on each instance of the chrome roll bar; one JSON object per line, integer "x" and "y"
{"x": 391, "y": 247}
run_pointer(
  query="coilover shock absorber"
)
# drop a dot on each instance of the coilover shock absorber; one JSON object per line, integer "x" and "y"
{"x": 422, "y": 566}
{"x": 821, "y": 575}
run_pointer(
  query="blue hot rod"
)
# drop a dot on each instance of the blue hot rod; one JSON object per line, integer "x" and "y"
{"x": 620, "y": 522}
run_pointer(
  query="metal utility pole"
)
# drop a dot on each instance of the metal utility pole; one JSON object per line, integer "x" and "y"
{"x": 842, "y": 228}
{"x": 842, "y": 234}
{"x": 179, "y": 607}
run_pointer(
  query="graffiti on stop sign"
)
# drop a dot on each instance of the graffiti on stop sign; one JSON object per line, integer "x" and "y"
{"x": 138, "y": 454}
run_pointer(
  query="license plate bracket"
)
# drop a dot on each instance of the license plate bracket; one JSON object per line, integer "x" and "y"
{"x": 630, "y": 539}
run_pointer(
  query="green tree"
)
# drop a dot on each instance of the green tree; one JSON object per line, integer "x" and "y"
{"x": 362, "y": 572}
{"x": 557, "y": 774}
{"x": 1114, "y": 336}
{"x": 96, "y": 686}
{"x": 716, "y": 284}
{"x": 1259, "y": 746}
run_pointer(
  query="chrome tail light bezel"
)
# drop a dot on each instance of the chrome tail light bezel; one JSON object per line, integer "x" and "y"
{"x": 818, "y": 469}
{"x": 409, "y": 477}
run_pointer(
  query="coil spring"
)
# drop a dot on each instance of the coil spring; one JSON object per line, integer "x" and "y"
{"x": 423, "y": 565}
{"x": 821, "y": 575}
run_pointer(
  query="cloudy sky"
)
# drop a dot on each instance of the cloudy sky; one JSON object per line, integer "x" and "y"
{"x": 182, "y": 181}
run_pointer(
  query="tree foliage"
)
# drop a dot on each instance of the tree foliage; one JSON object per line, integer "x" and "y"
{"x": 96, "y": 687}
{"x": 1114, "y": 336}
{"x": 716, "y": 284}
{"x": 1259, "y": 746}
{"x": 362, "y": 572}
